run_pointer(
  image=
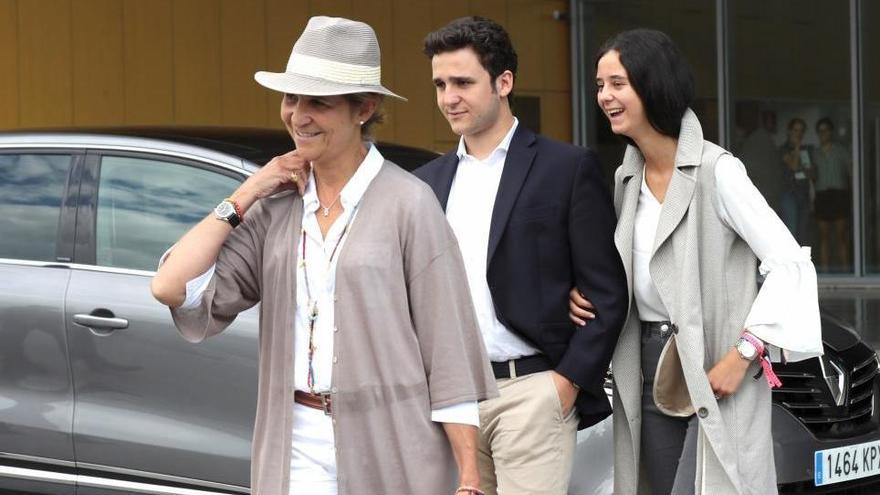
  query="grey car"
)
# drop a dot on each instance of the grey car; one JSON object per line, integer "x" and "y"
{"x": 100, "y": 395}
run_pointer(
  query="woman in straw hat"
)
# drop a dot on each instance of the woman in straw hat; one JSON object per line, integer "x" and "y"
{"x": 370, "y": 358}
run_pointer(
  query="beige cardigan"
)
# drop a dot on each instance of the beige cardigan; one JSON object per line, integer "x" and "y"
{"x": 407, "y": 339}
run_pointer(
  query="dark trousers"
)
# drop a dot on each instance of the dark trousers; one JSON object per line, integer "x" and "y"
{"x": 669, "y": 443}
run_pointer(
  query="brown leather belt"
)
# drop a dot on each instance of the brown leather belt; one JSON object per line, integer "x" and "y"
{"x": 319, "y": 401}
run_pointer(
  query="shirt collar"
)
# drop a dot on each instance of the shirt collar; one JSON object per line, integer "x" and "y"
{"x": 355, "y": 187}
{"x": 504, "y": 145}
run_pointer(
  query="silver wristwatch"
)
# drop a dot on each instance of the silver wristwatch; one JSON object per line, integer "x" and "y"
{"x": 746, "y": 349}
{"x": 226, "y": 211}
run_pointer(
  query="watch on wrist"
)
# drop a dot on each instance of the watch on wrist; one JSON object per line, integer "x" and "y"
{"x": 228, "y": 212}
{"x": 746, "y": 349}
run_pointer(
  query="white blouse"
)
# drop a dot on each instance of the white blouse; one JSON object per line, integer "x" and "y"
{"x": 785, "y": 313}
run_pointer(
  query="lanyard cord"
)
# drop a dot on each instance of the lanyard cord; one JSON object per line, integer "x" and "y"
{"x": 313, "y": 304}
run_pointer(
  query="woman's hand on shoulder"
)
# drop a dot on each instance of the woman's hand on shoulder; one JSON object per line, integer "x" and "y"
{"x": 285, "y": 172}
{"x": 728, "y": 373}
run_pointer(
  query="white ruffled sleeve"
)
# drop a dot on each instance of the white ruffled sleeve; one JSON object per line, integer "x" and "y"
{"x": 786, "y": 312}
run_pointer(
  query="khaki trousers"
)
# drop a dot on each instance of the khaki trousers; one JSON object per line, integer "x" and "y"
{"x": 526, "y": 446}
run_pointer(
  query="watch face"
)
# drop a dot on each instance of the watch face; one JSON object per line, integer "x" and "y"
{"x": 224, "y": 210}
{"x": 746, "y": 349}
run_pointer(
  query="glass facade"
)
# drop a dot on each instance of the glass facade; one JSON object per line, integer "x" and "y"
{"x": 792, "y": 123}
{"x": 792, "y": 88}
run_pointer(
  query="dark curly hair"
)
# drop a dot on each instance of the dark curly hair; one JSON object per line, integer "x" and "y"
{"x": 486, "y": 37}
{"x": 659, "y": 74}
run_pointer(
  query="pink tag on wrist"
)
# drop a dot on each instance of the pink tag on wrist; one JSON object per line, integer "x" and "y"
{"x": 772, "y": 380}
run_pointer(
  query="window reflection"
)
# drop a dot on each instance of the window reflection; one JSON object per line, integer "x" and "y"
{"x": 144, "y": 206}
{"x": 31, "y": 192}
{"x": 792, "y": 122}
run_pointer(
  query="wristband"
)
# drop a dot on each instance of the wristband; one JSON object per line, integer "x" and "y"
{"x": 766, "y": 366}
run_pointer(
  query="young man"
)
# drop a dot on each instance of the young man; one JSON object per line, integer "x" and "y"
{"x": 533, "y": 218}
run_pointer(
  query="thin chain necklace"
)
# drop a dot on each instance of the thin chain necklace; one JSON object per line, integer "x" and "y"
{"x": 325, "y": 210}
{"x": 313, "y": 303}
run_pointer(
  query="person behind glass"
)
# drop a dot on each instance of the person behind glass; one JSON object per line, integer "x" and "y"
{"x": 687, "y": 412}
{"x": 760, "y": 154}
{"x": 797, "y": 171}
{"x": 833, "y": 165}
{"x": 533, "y": 217}
{"x": 371, "y": 361}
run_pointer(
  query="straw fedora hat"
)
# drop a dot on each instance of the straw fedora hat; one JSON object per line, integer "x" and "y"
{"x": 333, "y": 56}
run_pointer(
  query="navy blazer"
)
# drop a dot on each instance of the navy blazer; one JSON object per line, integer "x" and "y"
{"x": 552, "y": 228}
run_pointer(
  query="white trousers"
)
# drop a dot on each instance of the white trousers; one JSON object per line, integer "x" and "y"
{"x": 313, "y": 454}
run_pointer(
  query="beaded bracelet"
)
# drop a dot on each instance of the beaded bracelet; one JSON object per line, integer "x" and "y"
{"x": 237, "y": 208}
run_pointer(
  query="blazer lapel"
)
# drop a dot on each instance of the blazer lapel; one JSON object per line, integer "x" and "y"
{"x": 520, "y": 157}
{"x": 442, "y": 183}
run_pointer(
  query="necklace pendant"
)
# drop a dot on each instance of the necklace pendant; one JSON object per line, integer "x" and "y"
{"x": 326, "y": 211}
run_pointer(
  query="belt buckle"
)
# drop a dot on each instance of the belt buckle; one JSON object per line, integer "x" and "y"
{"x": 325, "y": 403}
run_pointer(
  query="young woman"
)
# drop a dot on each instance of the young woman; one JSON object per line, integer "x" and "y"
{"x": 687, "y": 410}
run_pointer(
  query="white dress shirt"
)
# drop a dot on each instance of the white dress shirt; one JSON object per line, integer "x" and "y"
{"x": 469, "y": 211}
{"x": 789, "y": 274}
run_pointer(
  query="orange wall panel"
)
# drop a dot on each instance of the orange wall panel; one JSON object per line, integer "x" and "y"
{"x": 98, "y": 62}
{"x": 243, "y": 101}
{"x": 156, "y": 62}
{"x": 8, "y": 64}
{"x": 413, "y": 125}
{"x": 149, "y": 62}
{"x": 45, "y": 57}
{"x": 197, "y": 68}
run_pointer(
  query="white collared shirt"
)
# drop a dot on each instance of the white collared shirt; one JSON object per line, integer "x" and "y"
{"x": 789, "y": 274}
{"x": 469, "y": 211}
{"x": 321, "y": 271}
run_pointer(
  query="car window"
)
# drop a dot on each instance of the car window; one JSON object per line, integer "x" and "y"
{"x": 31, "y": 192}
{"x": 145, "y": 205}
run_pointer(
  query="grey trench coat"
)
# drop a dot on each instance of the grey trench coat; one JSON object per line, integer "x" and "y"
{"x": 407, "y": 339}
{"x": 706, "y": 276}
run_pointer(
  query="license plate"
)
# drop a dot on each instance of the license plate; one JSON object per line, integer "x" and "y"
{"x": 847, "y": 463}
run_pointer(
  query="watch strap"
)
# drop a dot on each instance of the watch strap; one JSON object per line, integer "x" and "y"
{"x": 234, "y": 218}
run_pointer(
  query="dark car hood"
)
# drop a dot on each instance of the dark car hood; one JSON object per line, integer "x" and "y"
{"x": 837, "y": 333}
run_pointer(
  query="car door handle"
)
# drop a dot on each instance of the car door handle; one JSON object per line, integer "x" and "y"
{"x": 100, "y": 326}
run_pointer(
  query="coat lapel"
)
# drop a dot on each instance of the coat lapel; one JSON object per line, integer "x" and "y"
{"x": 626, "y": 201}
{"x": 675, "y": 204}
{"x": 681, "y": 189}
{"x": 520, "y": 157}
{"x": 442, "y": 183}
